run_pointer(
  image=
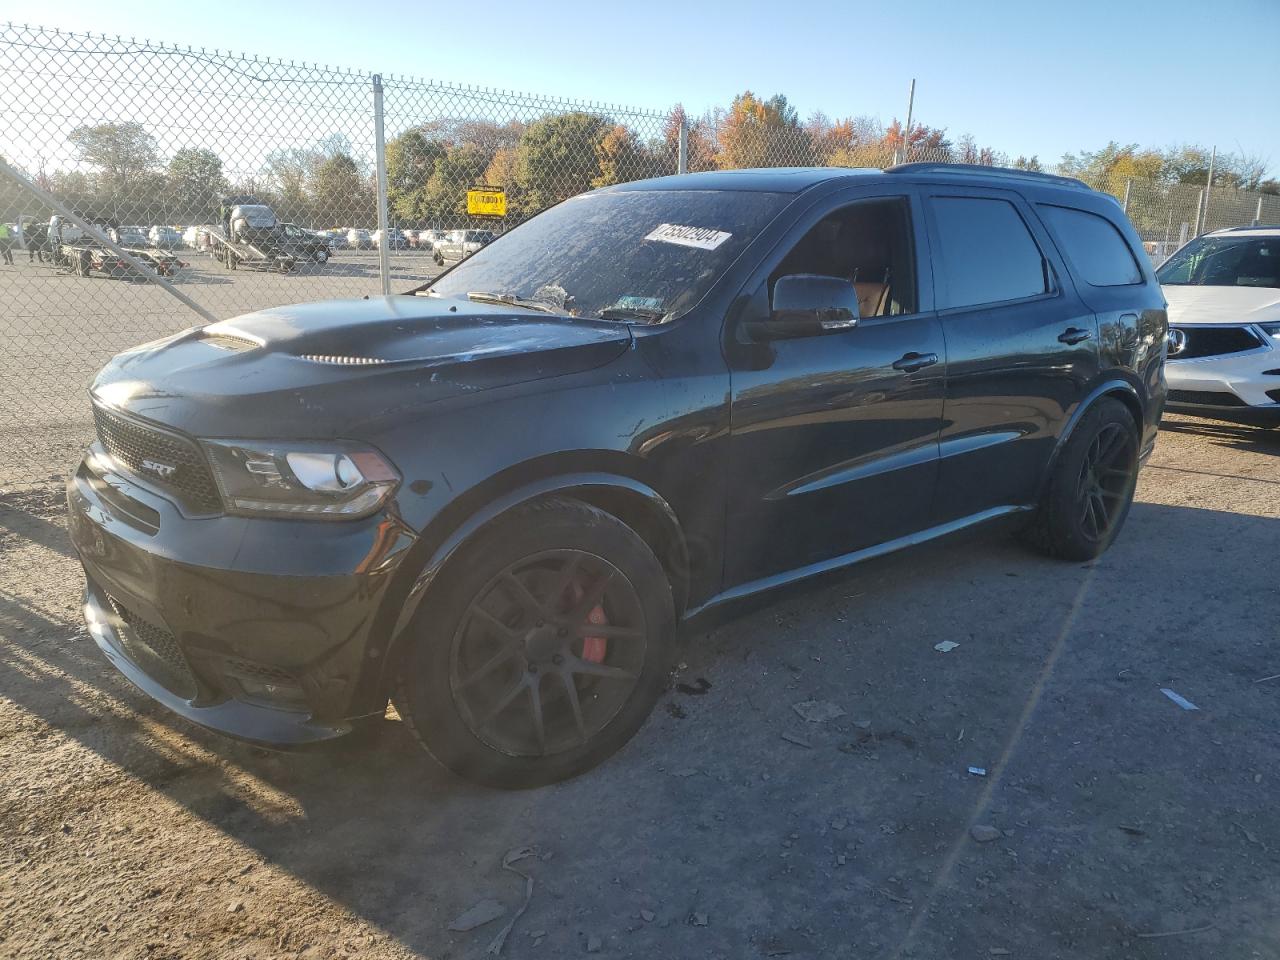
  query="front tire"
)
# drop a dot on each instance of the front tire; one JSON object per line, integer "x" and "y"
{"x": 541, "y": 648}
{"x": 1091, "y": 487}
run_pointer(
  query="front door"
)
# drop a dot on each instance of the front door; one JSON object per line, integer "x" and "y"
{"x": 833, "y": 443}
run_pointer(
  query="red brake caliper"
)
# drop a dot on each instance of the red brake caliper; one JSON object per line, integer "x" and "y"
{"x": 593, "y": 648}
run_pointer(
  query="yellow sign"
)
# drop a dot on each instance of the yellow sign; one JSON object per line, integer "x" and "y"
{"x": 487, "y": 202}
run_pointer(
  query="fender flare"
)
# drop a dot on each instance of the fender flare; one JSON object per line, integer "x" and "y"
{"x": 1106, "y": 388}
{"x": 492, "y": 509}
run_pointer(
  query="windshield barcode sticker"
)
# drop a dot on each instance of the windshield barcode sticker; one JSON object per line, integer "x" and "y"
{"x": 704, "y": 238}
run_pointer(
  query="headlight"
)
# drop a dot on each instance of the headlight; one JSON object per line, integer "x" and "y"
{"x": 322, "y": 478}
{"x": 1271, "y": 329}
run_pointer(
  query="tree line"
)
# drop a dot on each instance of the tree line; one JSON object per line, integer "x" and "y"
{"x": 430, "y": 166}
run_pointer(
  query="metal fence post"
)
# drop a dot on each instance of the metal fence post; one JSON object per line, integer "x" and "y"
{"x": 1128, "y": 186}
{"x": 380, "y": 153}
{"x": 1257, "y": 216}
{"x": 682, "y": 158}
{"x": 1199, "y": 212}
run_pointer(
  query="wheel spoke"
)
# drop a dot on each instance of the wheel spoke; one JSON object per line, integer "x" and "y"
{"x": 535, "y": 704}
{"x": 571, "y": 694}
{"x": 590, "y": 598}
{"x": 503, "y": 630}
{"x": 520, "y": 593}
{"x": 1114, "y": 446}
{"x": 1100, "y": 511}
{"x": 498, "y": 659}
{"x": 606, "y": 631}
{"x": 503, "y": 702}
{"x": 578, "y": 665}
{"x": 563, "y": 579}
{"x": 1090, "y": 517}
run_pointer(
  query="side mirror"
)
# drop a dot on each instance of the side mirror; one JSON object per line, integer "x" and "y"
{"x": 808, "y": 305}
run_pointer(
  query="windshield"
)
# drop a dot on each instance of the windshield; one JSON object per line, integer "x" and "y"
{"x": 656, "y": 251}
{"x": 1224, "y": 262}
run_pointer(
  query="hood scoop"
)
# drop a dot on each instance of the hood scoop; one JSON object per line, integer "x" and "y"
{"x": 229, "y": 341}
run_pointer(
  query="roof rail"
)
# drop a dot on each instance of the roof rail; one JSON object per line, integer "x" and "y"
{"x": 1252, "y": 226}
{"x": 982, "y": 170}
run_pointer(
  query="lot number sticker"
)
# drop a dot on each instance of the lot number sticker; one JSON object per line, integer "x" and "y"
{"x": 703, "y": 238}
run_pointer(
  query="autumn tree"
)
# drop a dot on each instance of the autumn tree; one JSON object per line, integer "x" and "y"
{"x": 411, "y": 163}
{"x": 700, "y": 141}
{"x": 920, "y": 143}
{"x": 762, "y": 133}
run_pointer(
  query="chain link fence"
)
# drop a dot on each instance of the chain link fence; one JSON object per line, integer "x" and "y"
{"x": 157, "y": 187}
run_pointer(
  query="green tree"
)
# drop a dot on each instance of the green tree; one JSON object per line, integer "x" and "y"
{"x": 195, "y": 184}
{"x": 411, "y": 163}
{"x": 339, "y": 193}
{"x": 556, "y": 158}
{"x": 456, "y": 171}
{"x": 124, "y": 153}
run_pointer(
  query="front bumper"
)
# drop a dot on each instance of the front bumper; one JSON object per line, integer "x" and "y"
{"x": 1239, "y": 387}
{"x": 264, "y": 630}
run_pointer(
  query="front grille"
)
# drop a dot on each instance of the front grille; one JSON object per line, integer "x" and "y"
{"x": 1214, "y": 341}
{"x": 155, "y": 650}
{"x": 252, "y": 670}
{"x": 150, "y": 453}
{"x": 1212, "y": 398}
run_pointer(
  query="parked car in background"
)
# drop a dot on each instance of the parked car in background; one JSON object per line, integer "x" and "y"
{"x": 359, "y": 239}
{"x": 1223, "y": 290}
{"x": 303, "y": 243}
{"x": 396, "y": 239}
{"x": 460, "y": 244}
{"x": 493, "y": 500}
{"x": 427, "y": 239}
{"x": 165, "y": 238}
{"x": 132, "y": 236}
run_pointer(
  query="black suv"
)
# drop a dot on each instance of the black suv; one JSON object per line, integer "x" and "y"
{"x": 493, "y": 499}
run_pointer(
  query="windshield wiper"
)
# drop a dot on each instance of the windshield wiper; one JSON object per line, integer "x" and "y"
{"x": 631, "y": 313}
{"x": 510, "y": 299}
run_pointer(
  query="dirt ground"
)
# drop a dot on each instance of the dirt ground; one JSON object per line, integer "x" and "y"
{"x": 1122, "y": 826}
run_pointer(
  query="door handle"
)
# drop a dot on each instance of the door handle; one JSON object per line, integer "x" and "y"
{"x": 1074, "y": 335}
{"x": 911, "y": 362}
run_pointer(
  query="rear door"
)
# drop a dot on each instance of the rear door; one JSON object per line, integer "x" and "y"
{"x": 1022, "y": 348}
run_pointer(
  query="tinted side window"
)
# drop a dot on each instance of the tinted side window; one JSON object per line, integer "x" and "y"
{"x": 987, "y": 253}
{"x": 1094, "y": 246}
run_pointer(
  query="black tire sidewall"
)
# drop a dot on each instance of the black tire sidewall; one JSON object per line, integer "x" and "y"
{"x": 1064, "y": 530}
{"x": 424, "y": 696}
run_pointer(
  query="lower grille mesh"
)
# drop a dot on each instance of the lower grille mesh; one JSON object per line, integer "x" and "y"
{"x": 155, "y": 650}
{"x": 1213, "y": 398}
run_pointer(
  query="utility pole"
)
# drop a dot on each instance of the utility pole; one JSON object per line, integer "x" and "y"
{"x": 1208, "y": 193}
{"x": 901, "y": 153}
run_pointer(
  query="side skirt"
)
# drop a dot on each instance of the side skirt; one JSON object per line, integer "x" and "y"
{"x": 753, "y": 587}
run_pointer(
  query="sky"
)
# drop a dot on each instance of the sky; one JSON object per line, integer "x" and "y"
{"x": 1027, "y": 77}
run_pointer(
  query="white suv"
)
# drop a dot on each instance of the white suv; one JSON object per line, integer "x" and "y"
{"x": 1224, "y": 325}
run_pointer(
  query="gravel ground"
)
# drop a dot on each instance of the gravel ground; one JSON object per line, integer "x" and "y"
{"x": 1120, "y": 825}
{"x": 58, "y": 330}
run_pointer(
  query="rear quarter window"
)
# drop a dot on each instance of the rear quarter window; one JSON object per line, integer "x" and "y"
{"x": 1096, "y": 249}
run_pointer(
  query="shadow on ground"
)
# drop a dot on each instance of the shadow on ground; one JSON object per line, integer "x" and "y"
{"x": 748, "y": 832}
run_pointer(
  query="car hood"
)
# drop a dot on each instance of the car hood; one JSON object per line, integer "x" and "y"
{"x": 334, "y": 369}
{"x": 1225, "y": 305}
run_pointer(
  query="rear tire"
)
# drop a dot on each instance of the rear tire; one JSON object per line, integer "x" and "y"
{"x": 541, "y": 648}
{"x": 1091, "y": 487}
